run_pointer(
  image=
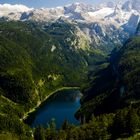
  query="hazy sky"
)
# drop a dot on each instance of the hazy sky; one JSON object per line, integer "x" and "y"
{"x": 50, "y": 3}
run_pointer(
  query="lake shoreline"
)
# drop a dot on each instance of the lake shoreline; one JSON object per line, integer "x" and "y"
{"x": 33, "y": 110}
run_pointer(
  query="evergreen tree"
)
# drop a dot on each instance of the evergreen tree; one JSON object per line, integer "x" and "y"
{"x": 39, "y": 133}
{"x": 52, "y": 124}
{"x": 65, "y": 125}
{"x": 132, "y": 121}
{"x": 119, "y": 124}
{"x": 51, "y": 133}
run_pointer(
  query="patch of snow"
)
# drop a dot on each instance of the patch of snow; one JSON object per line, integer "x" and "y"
{"x": 53, "y": 48}
{"x": 101, "y": 13}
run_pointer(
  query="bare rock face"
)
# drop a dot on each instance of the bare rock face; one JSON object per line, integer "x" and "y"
{"x": 133, "y": 21}
{"x": 136, "y": 4}
{"x": 132, "y": 24}
{"x": 138, "y": 30}
{"x": 127, "y": 6}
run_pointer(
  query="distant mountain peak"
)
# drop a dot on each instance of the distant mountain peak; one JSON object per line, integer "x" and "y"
{"x": 121, "y": 15}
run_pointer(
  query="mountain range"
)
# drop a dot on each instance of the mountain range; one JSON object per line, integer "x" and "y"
{"x": 105, "y": 25}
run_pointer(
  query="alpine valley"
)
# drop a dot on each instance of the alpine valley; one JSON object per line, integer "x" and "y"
{"x": 94, "y": 49}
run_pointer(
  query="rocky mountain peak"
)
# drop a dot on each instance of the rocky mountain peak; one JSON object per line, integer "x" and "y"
{"x": 78, "y": 7}
{"x": 127, "y": 6}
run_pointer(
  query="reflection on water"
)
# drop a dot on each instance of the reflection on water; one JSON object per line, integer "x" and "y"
{"x": 60, "y": 106}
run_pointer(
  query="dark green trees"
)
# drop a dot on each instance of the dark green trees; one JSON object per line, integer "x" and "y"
{"x": 65, "y": 125}
{"x": 132, "y": 122}
{"x": 126, "y": 122}
{"x": 119, "y": 124}
{"x": 39, "y": 133}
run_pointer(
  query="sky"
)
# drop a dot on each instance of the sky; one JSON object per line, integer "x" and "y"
{"x": 50, "y": 3}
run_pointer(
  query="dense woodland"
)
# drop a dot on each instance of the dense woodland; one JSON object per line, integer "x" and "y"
{"x": 112, "y": 111}
{"x": 30, "y": 69}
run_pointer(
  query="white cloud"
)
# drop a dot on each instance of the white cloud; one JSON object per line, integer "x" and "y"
{"x": 5, "y": 9}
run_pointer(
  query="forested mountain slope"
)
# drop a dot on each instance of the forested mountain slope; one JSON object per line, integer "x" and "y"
{"x": 116, "y": 85}
{"x": 110, "y": 105}
{"x": 35, "y": 60}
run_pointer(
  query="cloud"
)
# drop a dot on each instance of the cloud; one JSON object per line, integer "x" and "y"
{"x": 5, "y": 9}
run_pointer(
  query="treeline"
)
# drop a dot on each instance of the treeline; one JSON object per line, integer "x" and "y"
{"x": 123, "y": 123}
